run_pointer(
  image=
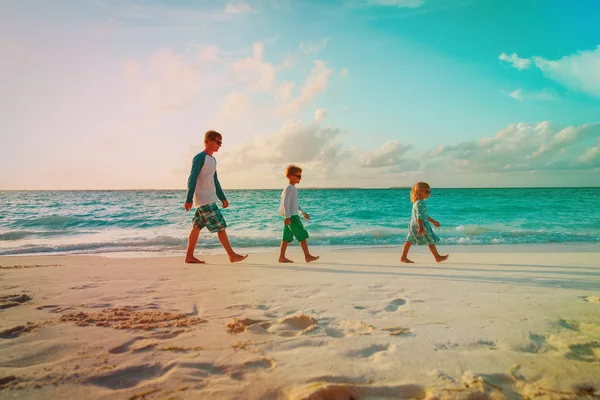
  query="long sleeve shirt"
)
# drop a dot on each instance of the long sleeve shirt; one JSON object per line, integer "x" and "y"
{"x": 289, "y": 202}
{"x": 203, "y": 184}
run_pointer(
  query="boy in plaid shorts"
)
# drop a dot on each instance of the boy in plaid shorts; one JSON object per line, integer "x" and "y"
{"x": 289, "y": 209}
{"x": 204, "y": 189}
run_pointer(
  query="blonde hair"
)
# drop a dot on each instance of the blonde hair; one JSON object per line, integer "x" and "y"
{"x": 292, "y": 170}
{"x": 415, "y": 192}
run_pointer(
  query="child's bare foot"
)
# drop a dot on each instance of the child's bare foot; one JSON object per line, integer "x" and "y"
{"x": 442, "y": 258}
{"x": 406, "y": 260}
{"x": 311, "y": 258}
{"x": 237, "y": 257}
{"x": 193, "y": 260}
{"x": 285, "y": 260}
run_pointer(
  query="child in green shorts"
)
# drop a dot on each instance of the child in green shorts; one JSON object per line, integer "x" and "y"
{"x": 289, "y": 209}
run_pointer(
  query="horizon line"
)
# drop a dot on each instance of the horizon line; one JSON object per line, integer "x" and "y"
{"x": 306, "y": 188}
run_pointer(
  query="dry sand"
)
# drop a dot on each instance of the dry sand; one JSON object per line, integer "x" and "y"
{"x": 349, "y": 326}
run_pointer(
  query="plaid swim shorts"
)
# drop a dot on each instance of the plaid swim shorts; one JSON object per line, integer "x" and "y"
{"x": 209, "y": 216}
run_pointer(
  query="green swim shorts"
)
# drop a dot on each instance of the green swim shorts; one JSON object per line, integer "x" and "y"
{"x": 294, "y": 229}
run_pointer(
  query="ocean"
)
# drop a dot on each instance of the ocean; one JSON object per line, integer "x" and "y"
{"x": 154, "y": 221}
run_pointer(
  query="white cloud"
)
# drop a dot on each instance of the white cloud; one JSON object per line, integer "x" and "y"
{"x": 256, "y": 74}
{"x": 320, "y": 152}
{"x": 521, "y": 95}
{"x": 285, "y": 90}
{"x": 397, "y": 3}
{"x": 580, "y": 71}
{"x": 132, "y": 13}
{"x": 238, "y": 8}
{"x": 315, "y": 84}
{"x": 320, "y": 115}
{"x": 388, "y": 155}
{"x": 236, "y": 106}
{"x": 520, "y": 147}
{"x": 590, "y": 157}
{"x": 515, "y": 60}
{"x": 517, "y": 94}
{"x": 308, "y": 47}
{"x": 311, "y": 146}
{"x": 170, "y": 81}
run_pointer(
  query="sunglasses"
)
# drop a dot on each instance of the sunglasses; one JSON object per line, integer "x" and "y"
{"x": 298, "y": 176}
{"x": 218, "y": 142}
{"x": 428, "y": 191}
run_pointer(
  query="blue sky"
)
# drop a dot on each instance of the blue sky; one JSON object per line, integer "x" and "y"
{"x": 116, "y": 94}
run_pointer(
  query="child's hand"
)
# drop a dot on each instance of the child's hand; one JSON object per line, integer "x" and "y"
{"x": 287, "y": 221}
{"x": 421, "y": 231}
{"x": 436, "y": 224}
{"x": 306, "y": 216}
{"x": 225, "y": 203}
{"x": 187, "y": 206}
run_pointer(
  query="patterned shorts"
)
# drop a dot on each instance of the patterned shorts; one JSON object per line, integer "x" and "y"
{"x": 209, "y": 216}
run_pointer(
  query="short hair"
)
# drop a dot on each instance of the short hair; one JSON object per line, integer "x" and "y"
{"x": 212, "y": 135}
{"x": 416, "y": 189}
{"x": 292, "y": 170}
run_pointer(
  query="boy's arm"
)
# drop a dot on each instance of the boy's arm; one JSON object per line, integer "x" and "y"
{"x": 197, "y": 165}
{"x": 220, "y": 193}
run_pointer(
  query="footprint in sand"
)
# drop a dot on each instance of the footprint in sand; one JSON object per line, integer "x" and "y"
{"x": 574, "y": 340}
{"x": 129, "y": 377}
{"x": 17, "y": 331}
{"x": 395, "y": 304}
{"x": 238, "y": 307}
{"x": 87, "y": 286}
{"x": 290, "y": 326}
{"x": 350, "y": 328}
{"x": 53, "y": 308}
{"x": 235, "y": 371}
{"x": 592, "y": 299}
{"x": 587, "y": 352}
{"x": 367, "y": 352}
{"x": 323, "y": 391}
{"x": 13, "y": 300}
{"x": 397, "y": 331}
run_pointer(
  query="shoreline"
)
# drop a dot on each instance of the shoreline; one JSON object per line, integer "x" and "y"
{"x": 578, "y": 247}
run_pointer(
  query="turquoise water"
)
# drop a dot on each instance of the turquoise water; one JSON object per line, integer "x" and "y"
{"x": 149, "y": 221}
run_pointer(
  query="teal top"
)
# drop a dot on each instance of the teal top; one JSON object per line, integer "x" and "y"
{"x": 419, "y": 211}
{"x": 197, "y": 165}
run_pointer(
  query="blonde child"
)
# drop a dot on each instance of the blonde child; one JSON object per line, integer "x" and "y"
{"x": 289, "y": 209}
{"x": 419, "y": 229}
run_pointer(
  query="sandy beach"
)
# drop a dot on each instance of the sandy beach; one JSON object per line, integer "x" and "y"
{"x": 353, "y": 325}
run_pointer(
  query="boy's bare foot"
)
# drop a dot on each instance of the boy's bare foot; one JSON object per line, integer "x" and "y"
{"x": 237, "y": 257}
{"x": 442, "y": 258}
{"x": 406, "y": 260}
{"x": 193, "y": 260}
{"x": 285, "y": 260}
{"x": 311, "y": 258}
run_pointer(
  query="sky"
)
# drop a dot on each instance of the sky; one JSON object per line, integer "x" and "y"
{"x": 117, "y": 94}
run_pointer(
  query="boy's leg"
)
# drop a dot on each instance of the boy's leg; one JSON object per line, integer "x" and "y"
{"x": 233, "y": 256}
{"x": 307, "y": 256}
{"x": 192, "y": 240}
{"x": 404, "y": 257}
{"x": 283, "y": 248}
{"x": 436, "y": 255}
